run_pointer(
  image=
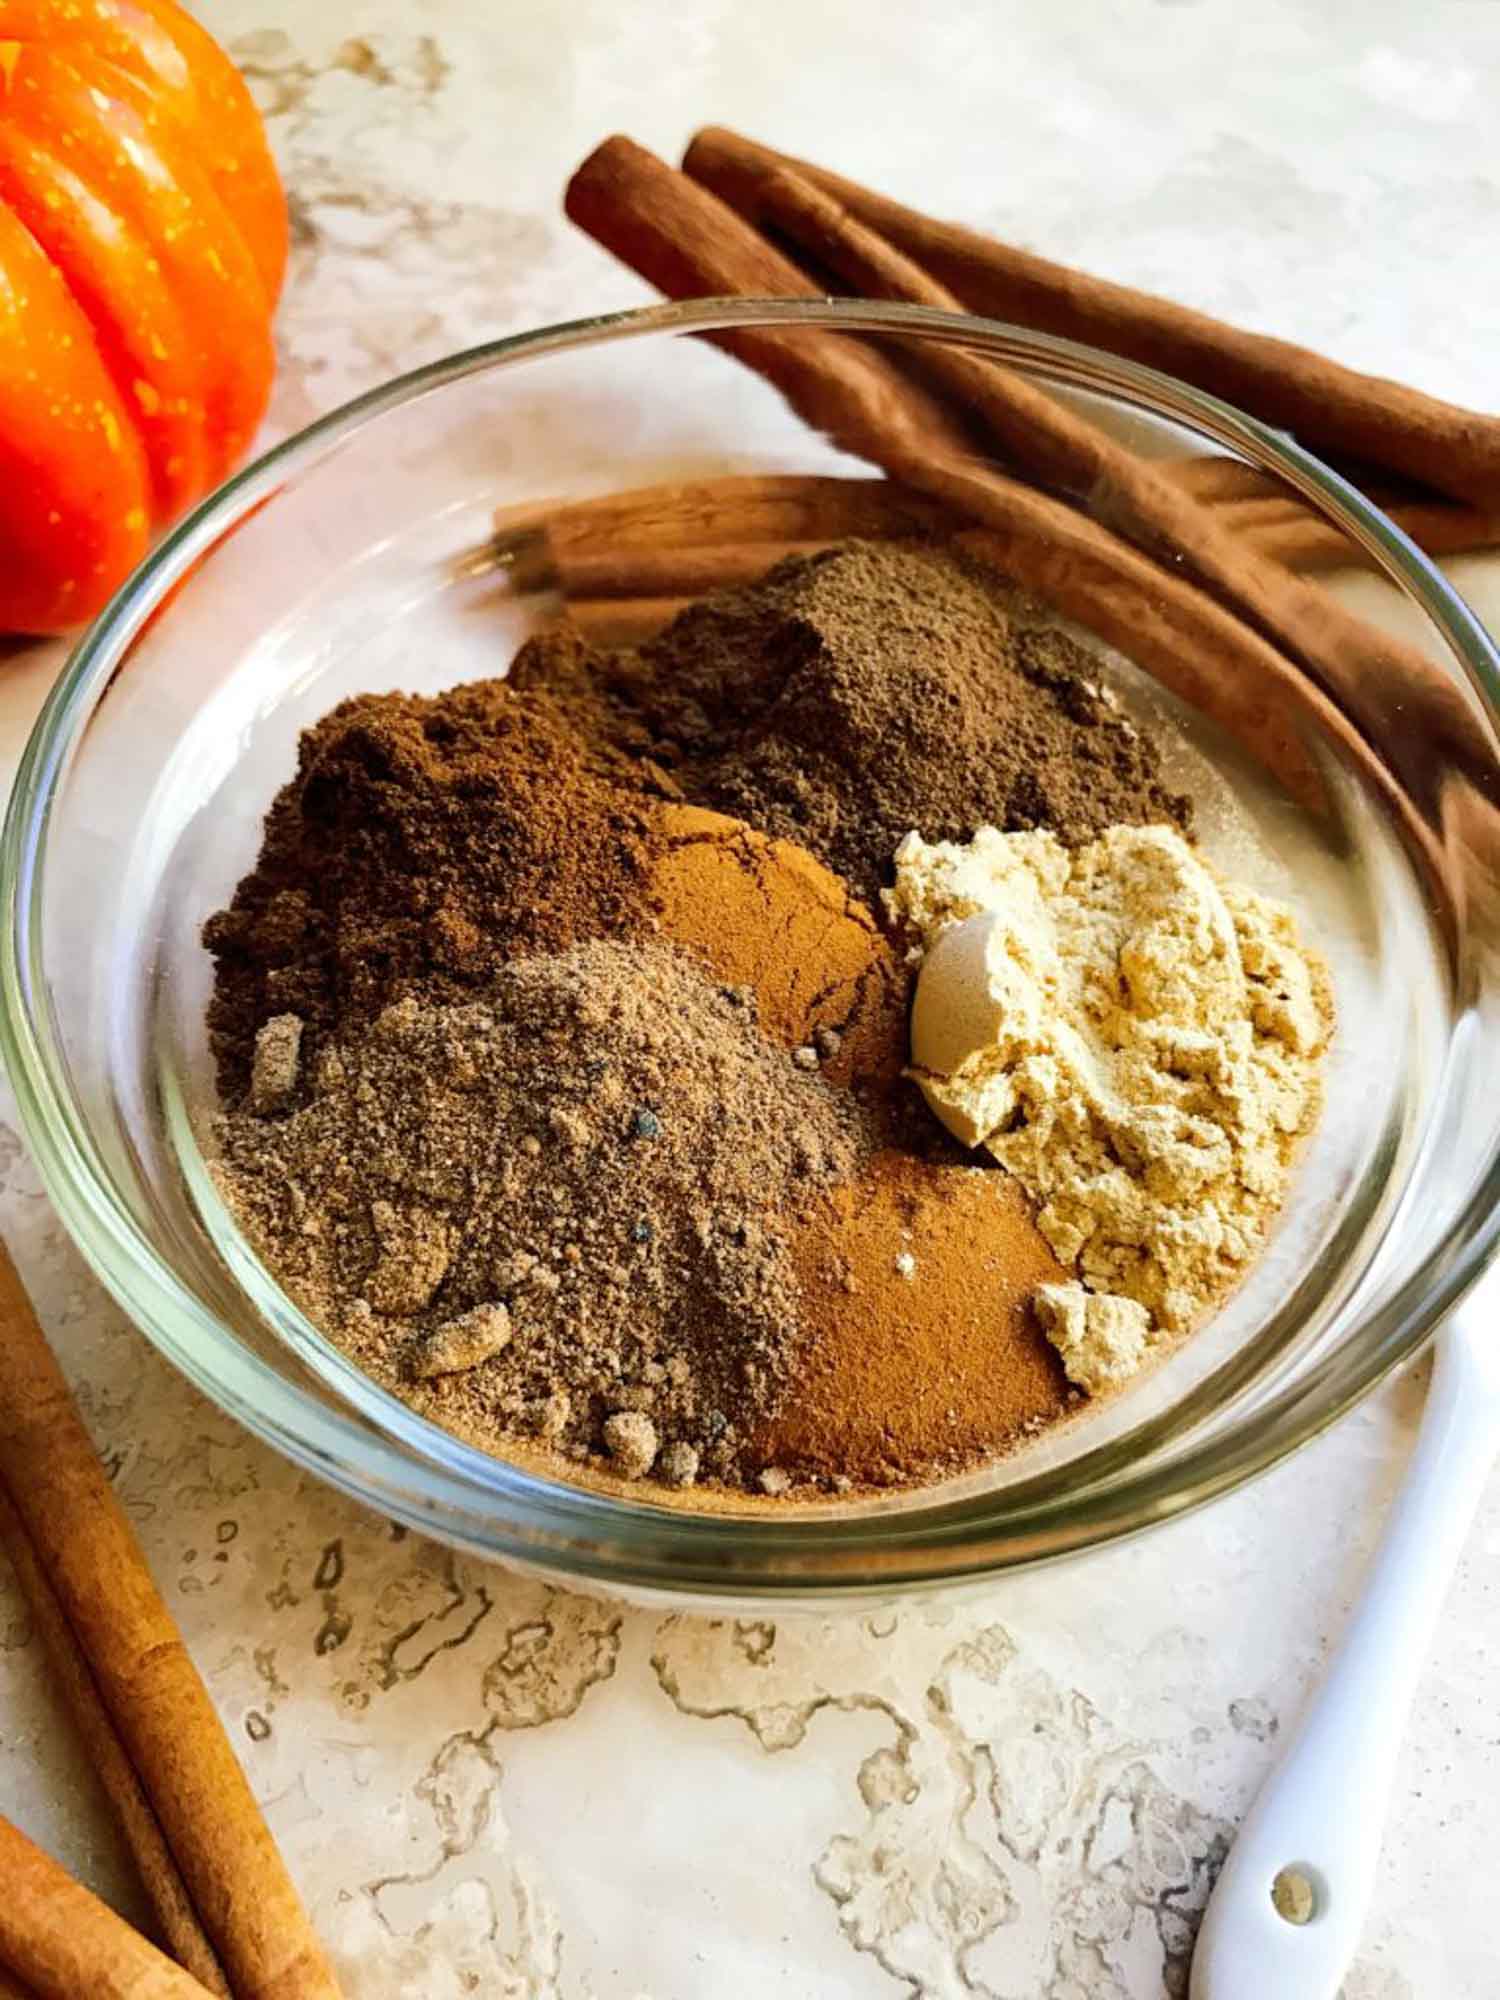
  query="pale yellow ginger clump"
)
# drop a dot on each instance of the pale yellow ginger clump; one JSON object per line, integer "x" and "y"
{"x": 1102, "y": 1338}
{"x": 1137, "y": 1040}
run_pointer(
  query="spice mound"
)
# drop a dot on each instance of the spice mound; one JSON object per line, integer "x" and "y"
{"x": 921, "y": 1345}
{"x": 1133, "y": 1038}
{"x": 852, "y": 695}
{"x": 565, "y": 1210}
{"x": 762, "y": 914}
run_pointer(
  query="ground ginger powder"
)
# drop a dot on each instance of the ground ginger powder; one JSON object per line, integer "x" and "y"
{"x": 1137, "y": 1041}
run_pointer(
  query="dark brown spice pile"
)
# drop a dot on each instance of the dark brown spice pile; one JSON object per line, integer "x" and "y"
{"x": 851, "y": 696}
{"x": 420, "y": 844}
{"x": 561, "y": 1211}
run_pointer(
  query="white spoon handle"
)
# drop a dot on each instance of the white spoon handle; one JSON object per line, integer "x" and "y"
{"x": 1312, "y": 1838}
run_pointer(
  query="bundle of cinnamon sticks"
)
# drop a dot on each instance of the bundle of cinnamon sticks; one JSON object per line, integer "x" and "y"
{"x": 227, "y": 1919}
{"x": 1191, "y": 569}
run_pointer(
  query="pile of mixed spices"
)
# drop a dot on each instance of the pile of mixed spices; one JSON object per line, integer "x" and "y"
{"x": 562, "y": 1033}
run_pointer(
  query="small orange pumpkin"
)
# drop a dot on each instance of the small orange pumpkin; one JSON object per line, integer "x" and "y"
{"x": 143, "y": 239}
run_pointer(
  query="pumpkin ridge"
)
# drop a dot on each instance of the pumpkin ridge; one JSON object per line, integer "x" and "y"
{"x": 179, "y": 464}
{"x": 138, "y": 163}
{"x": 170, "y": 109}
{"x": 143, "y": 240}
{"x": 226, "y": 99}
{"x": 73, "y": 494}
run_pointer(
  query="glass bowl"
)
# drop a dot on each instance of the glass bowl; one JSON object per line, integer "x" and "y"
{"x": 361, "y": 554}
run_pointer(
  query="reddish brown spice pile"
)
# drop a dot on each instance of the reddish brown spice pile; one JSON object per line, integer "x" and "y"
{"x": 917, "y": 1276}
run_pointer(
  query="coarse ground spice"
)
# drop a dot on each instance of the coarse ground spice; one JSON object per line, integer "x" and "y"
{"x": 920, "y": 1353}
{"x": 853, "y": 695}
{"x": 564, "y": 1204}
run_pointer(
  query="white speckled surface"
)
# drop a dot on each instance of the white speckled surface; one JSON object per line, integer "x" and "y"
{"x": 484, "y": 1786}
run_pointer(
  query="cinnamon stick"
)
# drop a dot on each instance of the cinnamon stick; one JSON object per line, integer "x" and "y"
{"x": 157, "y": 1704}
{"x": 1280, "y": 531}
{"x": 694, "y": 246}
{"x": 1285, "y": 527}
{"x": 1382, "y": 684}
{"x": 683, "y": 538}
{"x": 623, "y": 621}
{"x": 1331, "y": 408}
{"x": 734, "y": 508}
{"x": 1214, "y": 478}
{"x": 177, "y": 1921}
{"x": 624, "y": 572}
{"x": 64, "y": 1944}
{"x": 1436, "y": 525}
{"x": 680, "y": 237}
{"x": 624, "y": 598}
{"x": 1285, "y": 531}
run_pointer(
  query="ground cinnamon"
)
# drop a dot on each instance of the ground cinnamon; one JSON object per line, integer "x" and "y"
{"x": 762, "y": 914}
{"x": 920, "y": 1351}
{"x": 1332, "y": 408}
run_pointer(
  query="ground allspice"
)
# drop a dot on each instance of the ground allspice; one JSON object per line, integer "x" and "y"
{"x": 565, "y": 1204}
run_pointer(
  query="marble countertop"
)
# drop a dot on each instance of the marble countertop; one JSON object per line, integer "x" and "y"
{"x": 481, "y": 1783}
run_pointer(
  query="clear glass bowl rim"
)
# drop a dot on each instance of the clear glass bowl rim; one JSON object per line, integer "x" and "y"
{"x": 449, "y": 1489}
